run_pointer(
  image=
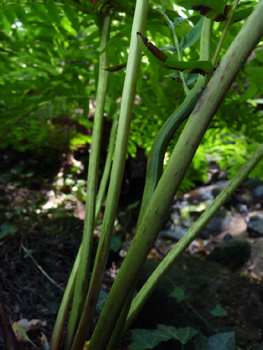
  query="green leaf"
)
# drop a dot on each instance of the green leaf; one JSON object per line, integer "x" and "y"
{"x": 7, "y": 229}
{"x": 101, "y": 301}
{"x": 181, "y": 334}
{"x": 242, "y": 14}
{"x": 222, "y": 341}
{"x": 116, "y": 243}
{"x": 178, "y": 293}
{"x": 201, "y": 342}
{"x": 143, "y": 339}
{"x": 219, "y": 311}
{"x": 192, "y": 36}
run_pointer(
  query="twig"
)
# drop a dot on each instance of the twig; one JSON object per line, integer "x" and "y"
{"x": 40, "y": 268}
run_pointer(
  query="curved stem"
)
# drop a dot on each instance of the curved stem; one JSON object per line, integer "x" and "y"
{"x": 161, "y": 141}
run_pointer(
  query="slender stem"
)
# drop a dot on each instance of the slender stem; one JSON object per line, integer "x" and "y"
{"x": 176, "y": 43}
{"x": 192, "y": 233}
{"x": 57, "y": 334}
{"x": 82, "y": 279}
{"x": 222, "y": 38}
{"x": 179, "y": 162}
{"x": 107, "y": 168}
{"x": 100, "y": 338}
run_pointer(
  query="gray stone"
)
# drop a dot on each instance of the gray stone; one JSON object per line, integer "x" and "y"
{"x": 255, "y": 226}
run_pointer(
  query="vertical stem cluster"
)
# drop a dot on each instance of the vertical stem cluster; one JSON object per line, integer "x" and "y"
{"x": 181, "y": 157}
{"x": 115, "y": 180}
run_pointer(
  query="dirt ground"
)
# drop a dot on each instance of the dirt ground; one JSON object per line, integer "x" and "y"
{"x": 35, "y": 262}
{"x": 53, "y": 243}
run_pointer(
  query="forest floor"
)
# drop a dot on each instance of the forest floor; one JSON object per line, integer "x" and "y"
{"x": 38, "y": 251}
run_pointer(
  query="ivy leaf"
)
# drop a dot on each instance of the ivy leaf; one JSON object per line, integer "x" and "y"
{"x": 178, "y": 293}
{"x": 156, "y": 56}
{"x": 116, "y": 243}
{"x": 222, "y": 341}
{"x": 101, "y": 301}
{"x": 181, "y": 334}
{"x": 143, "y": 339}
{"x": 218, "y": 311}
{"x": 7, "y": 229}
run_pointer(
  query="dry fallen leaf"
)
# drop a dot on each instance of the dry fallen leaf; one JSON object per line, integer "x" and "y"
{"x": 20, "y": 334}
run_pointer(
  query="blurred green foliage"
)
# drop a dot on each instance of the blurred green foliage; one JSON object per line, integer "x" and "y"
{"x": 48, "y": 76}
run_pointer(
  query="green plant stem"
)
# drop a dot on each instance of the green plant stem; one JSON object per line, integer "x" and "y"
{"x": 192, "y": 233}
{"x": 115, "y": 182}
{"x": 176, "y": 43}
{"x": 161, "y": 141}
{"x": 82, "y": 278}
{"x": 222, "y": 38}
{"x": 107, "y": 168}
{"x": 155, "y": 167}
{"x": 116, "y": 335}
{"x": 179, "y": 162}
{"x": 57, "y": 333}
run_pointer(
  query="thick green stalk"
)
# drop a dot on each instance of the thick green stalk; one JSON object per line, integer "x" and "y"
{"x": 82, "y": 279}
{"x": 184, "y": 242}
{"x": 181, "y": 157}
{"x": 115, "y": 181}
{"x": 107, "y": 168}
{"x": 117, "y": 333}
{"x": 161, "y": 141}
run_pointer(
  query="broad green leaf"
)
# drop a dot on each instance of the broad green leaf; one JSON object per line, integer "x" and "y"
{"x": 7, "y": 229}
{"x": 222, "y": 341}
{"x": 143, "y": 339}
{"x": 181, "y": 334}
{"x": 191, "y": 37}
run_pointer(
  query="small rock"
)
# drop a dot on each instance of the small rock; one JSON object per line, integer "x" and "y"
{"x": 218, "y": 224}
{"x": 255, "y": 226}
{"x": 231, "y": 253}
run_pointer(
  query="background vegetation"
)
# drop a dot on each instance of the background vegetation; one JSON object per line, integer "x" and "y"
{"x": 49, "y": 66}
